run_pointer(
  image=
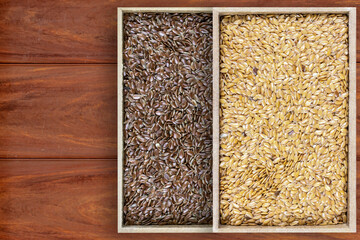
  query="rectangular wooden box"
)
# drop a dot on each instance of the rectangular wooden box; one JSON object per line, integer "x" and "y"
{"x": 217, "y": 12}
{"x": 351, "y": 225}
{"x": 149, "y": 228}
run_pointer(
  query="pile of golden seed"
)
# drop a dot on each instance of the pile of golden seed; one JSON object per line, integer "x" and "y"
{"x": 284, "y": 119}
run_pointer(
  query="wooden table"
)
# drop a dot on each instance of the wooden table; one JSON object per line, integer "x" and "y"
{"x": 58, "y": 118}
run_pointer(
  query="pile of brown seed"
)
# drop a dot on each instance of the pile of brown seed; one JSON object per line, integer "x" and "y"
{"x": 284, "y": 119}
{"x": 167, "y": 118}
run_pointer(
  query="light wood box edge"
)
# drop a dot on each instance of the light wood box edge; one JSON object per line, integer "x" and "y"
{"x": 351, "y": 225}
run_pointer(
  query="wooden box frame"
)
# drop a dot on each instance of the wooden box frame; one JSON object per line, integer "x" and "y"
{"x": 142, "y": 228}
{"x": 217, "y": 12}
{"x": 350, "y": 226}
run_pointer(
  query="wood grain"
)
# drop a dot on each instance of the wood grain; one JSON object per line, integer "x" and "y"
{"x": 57, "y": 200}
{"x": 64, "y": 111}
{"x": 58, "y": 111}
{"x": 73, "y": 32}
{"x": 77, "y": 200}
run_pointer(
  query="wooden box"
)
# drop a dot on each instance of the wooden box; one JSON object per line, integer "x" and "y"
{"x": 351, "y": 212}
{"x": 217, "y": 227}
{"x": 143, "y": 228}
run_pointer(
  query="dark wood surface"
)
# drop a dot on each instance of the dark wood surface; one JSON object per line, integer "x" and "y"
{"x": 76, "y": 32}
{"x": 58, "y": 119}
{"x": 58, "y": 111}
{"x": 63, "y": 111}
{"x": 77, "y": 199}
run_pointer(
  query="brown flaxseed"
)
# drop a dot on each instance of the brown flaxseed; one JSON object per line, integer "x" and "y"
{"x": 168, "y": 118}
